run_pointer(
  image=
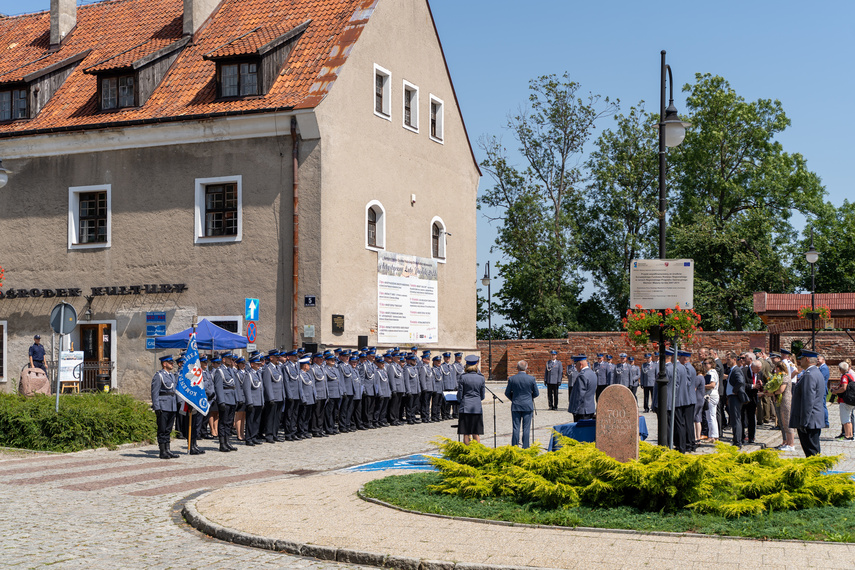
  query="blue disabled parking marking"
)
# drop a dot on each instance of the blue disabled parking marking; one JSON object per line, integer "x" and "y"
{"x": 419, "y": 462}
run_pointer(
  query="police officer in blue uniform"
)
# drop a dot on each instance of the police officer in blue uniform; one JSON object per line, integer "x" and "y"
{"x": 333, "y": 381}
{"x": 470, "y": 393}
{"x": 553, "y": 376}
{"x": 290, "y": 415}
{"x": 274, "y": 396}
{"x": 583, "y": 401}
{"x": 164, "y": 402}
{"x": 37, "y": 354}
{"x": 225, "y": 387}
{"x": 253, "y": 390}
{"x": 307, "y": 425}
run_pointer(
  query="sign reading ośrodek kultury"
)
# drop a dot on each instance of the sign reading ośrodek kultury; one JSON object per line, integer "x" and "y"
{"x": 407, "y": 299}
{"x": 617, "y": 423}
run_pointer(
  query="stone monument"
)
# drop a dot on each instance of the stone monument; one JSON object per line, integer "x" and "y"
{"x": 617, "y": 423}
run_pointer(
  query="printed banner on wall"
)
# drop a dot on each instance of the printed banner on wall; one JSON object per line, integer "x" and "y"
{"x": 407, "y": 299}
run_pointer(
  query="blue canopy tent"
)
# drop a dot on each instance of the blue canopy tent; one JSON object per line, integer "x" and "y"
{"x": 208, "y": 337}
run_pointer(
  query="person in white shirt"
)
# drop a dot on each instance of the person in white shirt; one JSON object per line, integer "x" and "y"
{"x": 711, "y": 394}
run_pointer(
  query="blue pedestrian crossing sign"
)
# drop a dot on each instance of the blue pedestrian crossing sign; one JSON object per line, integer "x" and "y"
{"x": 251, "y": 310}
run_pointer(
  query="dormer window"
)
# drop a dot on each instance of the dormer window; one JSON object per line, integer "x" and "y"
{"x": 240, "y": 79}
{"x": 118, "y": 92}
{"x": 13, "y": 104}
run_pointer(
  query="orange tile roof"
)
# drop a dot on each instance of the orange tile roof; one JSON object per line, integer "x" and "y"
{"x": 126, "y": 59}
{"x": 251, "y": 42}
{"x": 119, "y": 32}
{"x": 790, "y": 302}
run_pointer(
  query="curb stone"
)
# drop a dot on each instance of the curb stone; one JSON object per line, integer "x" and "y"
{"x": 202, "y": 524}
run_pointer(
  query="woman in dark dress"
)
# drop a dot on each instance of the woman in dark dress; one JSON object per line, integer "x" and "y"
{"x": 470, "y": 393}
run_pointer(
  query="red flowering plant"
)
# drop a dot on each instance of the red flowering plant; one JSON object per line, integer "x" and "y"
{"x": 2, "y": 274}
{"x": 822, "y": 312}
{"x": 676, "y": 323}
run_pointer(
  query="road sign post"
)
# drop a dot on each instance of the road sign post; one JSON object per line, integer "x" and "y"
{"x": 63, "y": 319}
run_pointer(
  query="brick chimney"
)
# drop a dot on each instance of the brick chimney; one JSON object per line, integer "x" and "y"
{"x": 195, "y": 14}
{"x": 63, "y": 17}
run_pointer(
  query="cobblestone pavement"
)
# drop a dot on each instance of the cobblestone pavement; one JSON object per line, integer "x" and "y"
{"x": 120, "y": 508}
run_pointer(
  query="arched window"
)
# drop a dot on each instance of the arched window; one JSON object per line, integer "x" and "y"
{"x": 375, "y": 226}
{"x": 438, "y": 235}
{"x": 372, "y": 227}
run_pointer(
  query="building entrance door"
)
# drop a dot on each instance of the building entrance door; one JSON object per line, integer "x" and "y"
{"x": 95, "y": 341}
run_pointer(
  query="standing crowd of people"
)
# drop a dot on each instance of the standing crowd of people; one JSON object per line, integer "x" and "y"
{"x": 293, "y": 395}
{"x": 706, "y": 393}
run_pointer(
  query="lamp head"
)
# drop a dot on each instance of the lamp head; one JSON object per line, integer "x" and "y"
{"x": 486, "y": 280}
{"x": 675, "y": 129}
{"x": 812, "y": 255}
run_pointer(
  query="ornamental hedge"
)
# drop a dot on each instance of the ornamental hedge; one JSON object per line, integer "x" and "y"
{"x": 727, "y": 482}
{"x": 84, "y": 421}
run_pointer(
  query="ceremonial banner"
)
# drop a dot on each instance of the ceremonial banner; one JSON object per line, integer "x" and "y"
{"x": 407, "y": 299}
{"x": 191, "y": 386}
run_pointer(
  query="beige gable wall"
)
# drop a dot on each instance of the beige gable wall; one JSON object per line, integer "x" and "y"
{"x": 366, "y": 158}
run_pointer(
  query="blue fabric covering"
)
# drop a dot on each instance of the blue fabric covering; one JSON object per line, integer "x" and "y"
{"x": 586, "y": 430}
{"x": 208, "y": 337}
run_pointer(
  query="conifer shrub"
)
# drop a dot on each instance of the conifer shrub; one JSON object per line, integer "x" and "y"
{"x": 726, "y": 483}
{"x": 84, "y": 421}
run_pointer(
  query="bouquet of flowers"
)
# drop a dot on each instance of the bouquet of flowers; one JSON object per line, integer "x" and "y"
{"x": 673, "y": 324}
{"x": 773, "y": 384}
{"x": 822, "y": 312}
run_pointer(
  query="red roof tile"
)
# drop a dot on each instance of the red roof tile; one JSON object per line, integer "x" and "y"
{"x": 122, "y": 31}
{"x": 790, "y": 302}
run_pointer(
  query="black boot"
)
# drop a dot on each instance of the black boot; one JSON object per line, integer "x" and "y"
{"x": 223, "y": 446}
{"x": 163, "y": 454}
{"x": 169, "y": 451}
{"x": 229, "y": 444}
{"x": 194, "y": 450}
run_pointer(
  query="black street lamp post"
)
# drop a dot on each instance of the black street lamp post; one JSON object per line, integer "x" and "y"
{"x": 671, "y": 133}
{"x": 486, "y": 282}
{"x": 812, "y": 256}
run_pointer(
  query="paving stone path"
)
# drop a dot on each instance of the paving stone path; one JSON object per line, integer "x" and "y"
{"x": 121, "y": 508}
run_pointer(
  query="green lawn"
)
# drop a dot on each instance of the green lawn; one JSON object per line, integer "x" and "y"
{"x": 823, "y": 523}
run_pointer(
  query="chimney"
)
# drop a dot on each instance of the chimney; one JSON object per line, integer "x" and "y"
{"x": 195, "y": 14}
{"x": 63, "y": 17}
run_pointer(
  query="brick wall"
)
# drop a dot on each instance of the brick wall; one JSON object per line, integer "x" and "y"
{"x": 506, "y": 353}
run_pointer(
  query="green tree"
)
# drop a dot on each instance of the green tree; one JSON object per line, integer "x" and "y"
{"x": 834, "y": 239}
{"x": 537, "y": 232}
{"x": 736, "y": 190}
{"x": 620, "y": 219}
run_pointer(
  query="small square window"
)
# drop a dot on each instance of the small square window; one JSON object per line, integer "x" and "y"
{"x": 89, "y": 217}
{"x": 218, "y": 210}
{"x": 13, "y": 104}
{"x": 382, "y": 92}
{"x": 239, "y": 79}
{"x": 117, "y": 92}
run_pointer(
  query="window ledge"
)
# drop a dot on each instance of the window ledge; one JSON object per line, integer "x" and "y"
{"x": 439, "y": 259}
{"x": 217, "y": 239}
{"x": 383, "y": 116}
{"x": 412, "y": 129}
{"x": 102, "y": 245}
{"x": 375, "y": 248}
{"x": 436, "y": 140}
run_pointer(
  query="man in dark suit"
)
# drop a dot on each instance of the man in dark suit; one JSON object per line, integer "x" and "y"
{"x": 521, "y": 390}
{"x": 808, "y": 409}
{"x": 583, "y": 403}
{"x": 736, "y": 396}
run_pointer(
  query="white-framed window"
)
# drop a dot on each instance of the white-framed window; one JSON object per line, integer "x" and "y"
{"x": 375, "y": 226}
{"x": 438, "y": 234}
{"x": 382, "y": 92}
{"x": 437, "y": 122}
{"x": 219, "y": 209}
{"x": 230, "y": 323}
{"x": 411, "y": 107}
{"x": 89, "y": 216}
{"x": 3, "y": 376}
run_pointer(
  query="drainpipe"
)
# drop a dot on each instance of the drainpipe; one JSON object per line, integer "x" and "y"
{"x": 295, "y": 156}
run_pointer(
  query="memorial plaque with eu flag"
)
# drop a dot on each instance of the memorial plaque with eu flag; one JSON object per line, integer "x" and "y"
{"x": 191, "y": 386}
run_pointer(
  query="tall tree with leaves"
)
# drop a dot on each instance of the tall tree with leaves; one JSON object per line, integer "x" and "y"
{"x": 736, "y": 190}
{"x": 537, "y": 231}
{"x": 834, "y": 239}
{"x": 619, "y": 222}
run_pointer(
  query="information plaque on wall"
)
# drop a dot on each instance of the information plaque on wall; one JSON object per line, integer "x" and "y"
{"x": 337, "y": 324}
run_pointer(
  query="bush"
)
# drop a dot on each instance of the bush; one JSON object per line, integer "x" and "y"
{"x": 725, "y": 483}
{"x": 85, "y": 421}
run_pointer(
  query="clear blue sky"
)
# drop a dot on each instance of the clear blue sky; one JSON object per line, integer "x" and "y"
{"x": 798, "y": 52}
